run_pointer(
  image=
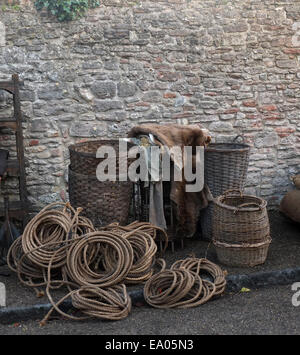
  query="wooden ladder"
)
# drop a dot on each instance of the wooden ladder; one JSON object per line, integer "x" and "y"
{"x": 17, "y": 209}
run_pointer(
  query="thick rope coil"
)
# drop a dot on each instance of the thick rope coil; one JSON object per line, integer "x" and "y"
{"x": 112, "y": 303}
{"x": 88, "y": 259}
{"x": 30, "y": 254}
{"x": 141, "y": 236}
{"x": 144, "y": 250}
{"x": 61, "y": 248}
{"x": 182, "y": 286}
{"x": 52, "y": 225}
{"x": 199, "y": 265}
{"x": 145, "y": 227}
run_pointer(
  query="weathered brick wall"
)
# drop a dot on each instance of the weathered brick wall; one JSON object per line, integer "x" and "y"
{"x": 231, "y": 65}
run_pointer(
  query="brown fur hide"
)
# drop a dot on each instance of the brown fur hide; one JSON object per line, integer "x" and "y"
{"x": 188, "y": 204}
{"x": 173, "y": 134}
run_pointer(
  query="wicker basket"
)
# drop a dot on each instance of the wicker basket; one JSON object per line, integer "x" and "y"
{"x": 239, "y": 218}
{"x": 102, "y": 202}
{"x": 225, "y": 167}
{"x": 83, "y": 155}
{"x": 242, "y": 255}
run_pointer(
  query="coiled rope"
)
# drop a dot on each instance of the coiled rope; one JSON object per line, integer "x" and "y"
{"x": 200, "y": 266}
{"x": 182, "y": 286}
{"x": 47, "y": 228}
{"x": 86, "y": 256}
{"x": 60, "y": 248}
{"x": 112, "y": 303}
{"x": 43, "y": 237}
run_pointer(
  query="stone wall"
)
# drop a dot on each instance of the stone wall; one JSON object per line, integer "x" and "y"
{"x": 231, "y": 65}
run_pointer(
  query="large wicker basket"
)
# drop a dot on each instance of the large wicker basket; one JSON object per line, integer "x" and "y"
{"x": 239, "y": 218}
{"x": 242, "y": 255}
{"x": 102, "y": 202}
{"x": 241, "y": 230}
{"x": 225, "y": 167}
{"x": 83, "y": 158}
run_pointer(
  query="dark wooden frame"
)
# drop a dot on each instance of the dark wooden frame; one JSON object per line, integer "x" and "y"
{"x": 18, "y": 209}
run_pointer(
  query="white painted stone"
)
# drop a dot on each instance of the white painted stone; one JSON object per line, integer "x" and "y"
{"x": 2, "y": 295}
{"x": 2, "y": 35}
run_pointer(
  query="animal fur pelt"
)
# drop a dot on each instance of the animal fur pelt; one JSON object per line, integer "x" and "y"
{"x": 188, "y": 204}
{"x": 173, "y": 134}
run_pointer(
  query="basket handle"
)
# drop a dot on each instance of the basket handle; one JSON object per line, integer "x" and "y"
{"x": 209, "y": 195}
{"x": 231, "y": 192}
{"x": 240, "y": 207}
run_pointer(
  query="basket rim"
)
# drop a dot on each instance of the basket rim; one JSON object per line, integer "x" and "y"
{"x": 242, "y": 245}
{"x": 72, "y": 147}
{"x": 94, "y": 178}
{"x": 262, "y": 204}
{"x": 213, "y": 147}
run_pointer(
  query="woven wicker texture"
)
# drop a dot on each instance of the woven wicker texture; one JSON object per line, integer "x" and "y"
{"x": 242, "y": 255}
{"x": 240, "y": 219}
{"x": 225, "y": 167}
{"x": 241, "y": 229}
{"x": 103, "y": 202}
{"x": 83, "y": 155}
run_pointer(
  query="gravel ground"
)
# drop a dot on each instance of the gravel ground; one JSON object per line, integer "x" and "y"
{"x": 284, "y": 252}
{"x": 267, "y": 311}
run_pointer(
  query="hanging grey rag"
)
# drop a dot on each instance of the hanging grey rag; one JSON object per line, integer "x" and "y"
{"x": 155, "y": 184}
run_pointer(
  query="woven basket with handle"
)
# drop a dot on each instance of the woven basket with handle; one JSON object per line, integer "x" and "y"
{"x": 239, "y": 218}
{"x": 241, "y": 229}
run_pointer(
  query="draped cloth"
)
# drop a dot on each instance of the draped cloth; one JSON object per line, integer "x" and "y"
{"x": 188, "y": 204}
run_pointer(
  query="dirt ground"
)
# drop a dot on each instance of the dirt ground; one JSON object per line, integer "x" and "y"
{"x": 284, "y": 252}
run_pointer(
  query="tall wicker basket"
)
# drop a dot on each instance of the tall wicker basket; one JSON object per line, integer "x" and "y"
{"x": 241, "y": 230}
{"x": 239, "y": 218}
{"x": 83, "y": 158}
{"x": 103, "y": 202}
{"x": 225, "y": 167}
